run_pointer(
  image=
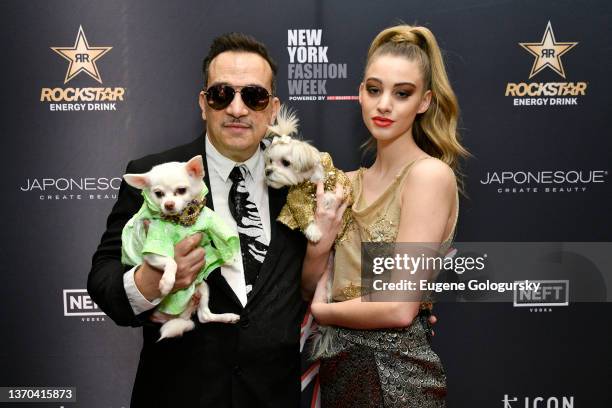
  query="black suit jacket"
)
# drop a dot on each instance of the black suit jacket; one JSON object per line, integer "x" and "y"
{"x": 254, "y": 363}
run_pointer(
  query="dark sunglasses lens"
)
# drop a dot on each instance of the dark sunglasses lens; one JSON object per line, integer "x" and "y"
{"x": 219, "y": 96}
{"x": 255, "y": 97}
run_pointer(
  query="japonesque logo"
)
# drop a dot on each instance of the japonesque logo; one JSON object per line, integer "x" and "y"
{"x": 68, "y": 188}
{"x": 544, "y": 181}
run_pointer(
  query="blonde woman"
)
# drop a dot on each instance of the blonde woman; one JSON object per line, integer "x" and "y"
{"x": 378, "y": 353}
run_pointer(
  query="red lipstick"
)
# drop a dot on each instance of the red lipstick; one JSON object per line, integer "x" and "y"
{"x": 382, "y": 122}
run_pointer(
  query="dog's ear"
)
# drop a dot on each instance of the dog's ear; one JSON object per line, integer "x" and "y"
{"x": 139, "y": 181}
{"x": 305, "y": 157}
{"x": 195, "y": 167}
{"x": 318, "y": 174}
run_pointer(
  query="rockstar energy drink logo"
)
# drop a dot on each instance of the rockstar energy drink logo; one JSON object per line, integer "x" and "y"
{"x": 81, "y": 59}
{"x": 547, "y": 55}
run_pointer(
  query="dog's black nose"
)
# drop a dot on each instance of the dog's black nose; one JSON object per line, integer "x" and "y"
{"x": 268, "y": 172}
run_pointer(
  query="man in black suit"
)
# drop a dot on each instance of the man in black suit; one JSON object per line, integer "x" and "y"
{"x": 254, "y": 363}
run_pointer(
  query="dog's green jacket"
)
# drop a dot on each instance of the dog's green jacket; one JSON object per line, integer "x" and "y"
{"x": 218, "y": 240}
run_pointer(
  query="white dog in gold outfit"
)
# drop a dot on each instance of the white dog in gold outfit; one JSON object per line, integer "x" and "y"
{"x": 298, "y": 165}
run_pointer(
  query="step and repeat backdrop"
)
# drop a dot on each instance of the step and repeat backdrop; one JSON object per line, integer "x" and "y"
{"x": 90, "y": 85}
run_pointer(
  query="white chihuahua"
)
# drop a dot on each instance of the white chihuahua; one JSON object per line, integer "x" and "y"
{"x": 174, "y": 205}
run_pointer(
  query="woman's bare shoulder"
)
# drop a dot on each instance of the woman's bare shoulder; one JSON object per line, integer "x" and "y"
{"x": 432, "y": 169}
{"x": 431, "y": 174}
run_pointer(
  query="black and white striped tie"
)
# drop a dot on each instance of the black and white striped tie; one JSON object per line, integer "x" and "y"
{"x": 250, "y": 229}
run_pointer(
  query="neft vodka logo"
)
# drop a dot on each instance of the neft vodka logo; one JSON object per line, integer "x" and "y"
{"x": 77, "y": 302}
{"x": 548, "y": 181}
{"x": 550, "y": 293}
{"x": 84, "y": 188}
{"x": 547, "y": 54}
{"x": 82, "y": 58}
{"x": 309, "y": 68}
{"x": 538, "y": 402}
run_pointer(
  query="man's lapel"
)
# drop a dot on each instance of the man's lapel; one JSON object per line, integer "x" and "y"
{"x": 209, "y": 199}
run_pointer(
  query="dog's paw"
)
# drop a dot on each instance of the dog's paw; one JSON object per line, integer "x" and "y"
{"x": 206, "y": 316}
{"x": 166, "y": 283}
{"x": 229, "y": 318}
{"x": 313, "y": 233}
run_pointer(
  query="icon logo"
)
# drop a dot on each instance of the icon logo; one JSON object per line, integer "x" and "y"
{"x": 82, "y": 57}
{"x": 534, "y": 402}
{"x": 548, "y": 52}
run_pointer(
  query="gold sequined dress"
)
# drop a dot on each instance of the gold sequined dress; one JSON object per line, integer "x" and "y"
{"x": 382, "y": 367}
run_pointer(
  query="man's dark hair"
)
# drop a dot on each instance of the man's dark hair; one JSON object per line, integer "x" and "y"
{"x": 238, "y": 42}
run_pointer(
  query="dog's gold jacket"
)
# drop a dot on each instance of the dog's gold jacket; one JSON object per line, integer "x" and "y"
{"x": 301, "y": 203}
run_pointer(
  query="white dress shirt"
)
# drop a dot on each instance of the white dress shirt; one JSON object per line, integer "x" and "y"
{"x": 219, "y": 168}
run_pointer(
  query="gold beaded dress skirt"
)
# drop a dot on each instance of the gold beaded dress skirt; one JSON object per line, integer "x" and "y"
{"x": 382, "y": 367}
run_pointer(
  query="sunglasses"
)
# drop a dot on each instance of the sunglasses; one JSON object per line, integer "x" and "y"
{"x": 221, "y": 96}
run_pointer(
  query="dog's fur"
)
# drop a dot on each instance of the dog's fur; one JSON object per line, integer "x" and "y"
{"x": 172, "y": 186}
{"x": 298, "y": 165}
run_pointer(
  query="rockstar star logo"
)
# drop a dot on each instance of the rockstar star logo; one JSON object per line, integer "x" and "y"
{"x": 548, "y": 52}
{"x": 82, "y": 57}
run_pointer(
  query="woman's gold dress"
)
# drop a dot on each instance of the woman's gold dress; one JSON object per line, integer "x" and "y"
{"x": 382, "y": 367}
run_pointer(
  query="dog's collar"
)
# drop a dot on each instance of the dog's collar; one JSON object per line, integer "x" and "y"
{"x": 189, "y": 215}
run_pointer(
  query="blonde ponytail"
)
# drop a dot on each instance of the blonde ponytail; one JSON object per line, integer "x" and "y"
{"x": 434, "y": 131}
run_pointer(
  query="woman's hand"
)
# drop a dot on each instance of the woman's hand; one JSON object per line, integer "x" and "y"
{"x": 328, "y": 215}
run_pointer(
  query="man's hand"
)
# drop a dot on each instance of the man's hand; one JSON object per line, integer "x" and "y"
{"x": 189, "y": 257}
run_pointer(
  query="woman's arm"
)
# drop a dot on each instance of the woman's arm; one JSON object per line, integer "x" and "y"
{"x": 427, "y": 199}
{"x": 358, "y": 314}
